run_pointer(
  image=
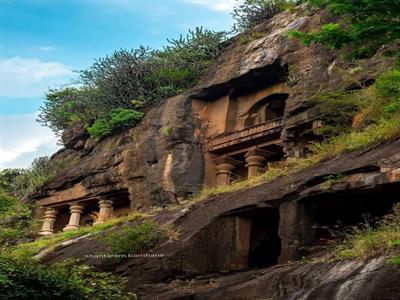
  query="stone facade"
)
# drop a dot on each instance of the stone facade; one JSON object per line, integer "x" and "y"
{"x": 242, "y": 132}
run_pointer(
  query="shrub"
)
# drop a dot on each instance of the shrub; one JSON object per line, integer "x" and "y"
{"x": 134, "y": 240}
{"x": 7, "y": 177}
{"x": 29, "y": 180}
{"x": 30, "y": 249}
{"x": 15, "y": 220}
{"x": 118, "y": 119}
{"x": 366, "y": 25}
{"x": 64, "y": 108}
{"x": 253, "y": 12}
{"x": 367, "y": 241}
{"x": 28, "y": 279}
{"x": 131, "y": 79}
{"x": 388, "y": 85}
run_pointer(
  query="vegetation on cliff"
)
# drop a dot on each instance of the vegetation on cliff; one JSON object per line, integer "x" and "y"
{"x": 251, "y": 13}
{"x": 364, "y": 26}
{"x": 131, "y": 80}
{"x": 128, "y": 81}
{"x": 15, "y": 220}
{"x": 23, "y": 182}
{"x": 134, "y": 240}
{"x": 373, "y": 239}
{"x": 29, "y": 279}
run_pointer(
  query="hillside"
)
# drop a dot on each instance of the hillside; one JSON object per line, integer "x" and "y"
{"x": 275, "y": 176}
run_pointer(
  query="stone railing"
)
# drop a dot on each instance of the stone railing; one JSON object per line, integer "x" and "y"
{"x": 237, "y": 137}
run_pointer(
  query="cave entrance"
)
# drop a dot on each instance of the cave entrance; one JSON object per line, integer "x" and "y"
{"x": 264, "y": 244}
{"x": 335, "y": 214}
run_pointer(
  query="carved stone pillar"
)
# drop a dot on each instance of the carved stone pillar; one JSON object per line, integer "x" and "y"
{"x": 225, "y": 167}
{"x": 104, "y": 211}
{"x": 255, "y": 159}
{"x": 49, "y": 219}
{"x": 74, "y": 219}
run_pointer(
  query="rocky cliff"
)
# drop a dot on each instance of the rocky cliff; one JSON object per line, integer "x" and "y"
{"x": 197, "y": 265}
{"x": 152, "y": 161}
{"x": 161, "y": 161}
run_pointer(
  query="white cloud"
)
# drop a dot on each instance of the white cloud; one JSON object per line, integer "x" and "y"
{"x": 219, "y": 5}
{"x": 25, "y": 77}
{"x": 47, "y": 48}
{"x": 22, "y": 139}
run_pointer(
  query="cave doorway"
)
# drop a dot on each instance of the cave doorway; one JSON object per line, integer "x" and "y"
{"x": 264, "y": 241}
{"x": 336, "y": 215}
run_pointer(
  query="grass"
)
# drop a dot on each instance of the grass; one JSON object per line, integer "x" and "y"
{"x": 383, "y": 131}
{"x": 135, "y": 239}
{"x": 33, "y": 248}
{"x": 368, "y": 242}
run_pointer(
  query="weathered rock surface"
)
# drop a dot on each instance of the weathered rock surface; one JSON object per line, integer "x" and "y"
{"x": 202, "y": 246}
{"x": 152, "y": 161}
{"x": 342, "y": 280}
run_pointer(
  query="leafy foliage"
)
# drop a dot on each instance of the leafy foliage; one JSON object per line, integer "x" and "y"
{"x": 7, "y": 177}
{"x": 388, "y": 85}
{"x": 27, "y": 181}
{"x": 253, "y": 12}
{"x": 118, "y": 119}
{"x": 67, "y": 107}
{"x": 132, "y": 79}
{"x": 366, "y": 25}
{"x": 134, "y": 240}
{"x": 349, "y": 110}
{"x": 28, "y": 279}
{"x": 15, "y": 220}
{"x": 30, "y": 249}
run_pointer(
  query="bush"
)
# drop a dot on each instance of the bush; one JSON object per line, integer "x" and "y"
{"x": 388, "y": 85}
{"x": 30, "y": 249}
{"x": 7, "y": 177}
{"x": 28, "y": 181}
{"x": 15, "y": 220}
{"x": 253, "y": 12}
{"x": 366, "y": 25}
{"x": 134, "y": 240}
{"x": 132, "y": 79}
{"x": 367, "y": 241}
{"x": 118, "y": 119}
{"x": 28, "y": 279}
{"x": 67, "y": 107}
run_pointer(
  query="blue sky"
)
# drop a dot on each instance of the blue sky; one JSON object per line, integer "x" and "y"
{"x": 43, "y": 43}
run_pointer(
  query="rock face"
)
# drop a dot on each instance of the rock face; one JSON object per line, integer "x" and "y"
{"x": 346, "y": 280}
{"x": 238, "y": 245}
{"x": 152, "y": 161}
{"x": 207, "y": 247}
{"x": 162, "y": 160}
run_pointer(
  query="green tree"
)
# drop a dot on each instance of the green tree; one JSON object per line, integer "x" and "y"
{"x": 7, "y": 177}
{"x": 253, "y": 12}
{"x": 132, "y": 79}
{"x": 29, "y": 180}
{"x": 15, "y": 220}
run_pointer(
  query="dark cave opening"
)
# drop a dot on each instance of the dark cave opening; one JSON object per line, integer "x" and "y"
{"x": 265, "y": 244}
{"x": 336, "y": 215}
